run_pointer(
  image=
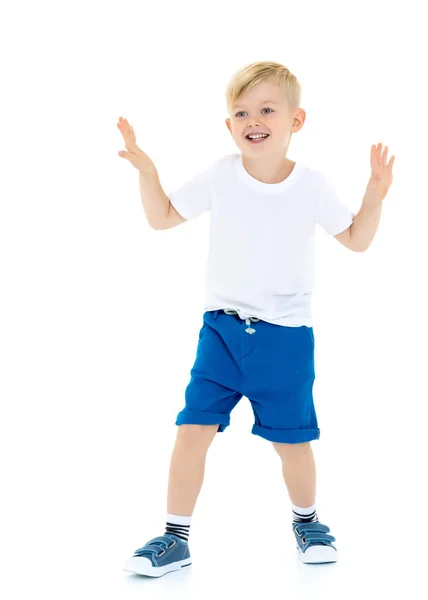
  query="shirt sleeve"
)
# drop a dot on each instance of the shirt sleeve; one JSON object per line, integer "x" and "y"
{"x": 333, "y": 216}
{"x": 193, "y": 197}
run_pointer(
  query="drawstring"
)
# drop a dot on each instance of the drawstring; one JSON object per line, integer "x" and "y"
{"x": 250, "y": 330}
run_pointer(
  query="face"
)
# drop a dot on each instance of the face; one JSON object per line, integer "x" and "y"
{"x": 263, "y": 110}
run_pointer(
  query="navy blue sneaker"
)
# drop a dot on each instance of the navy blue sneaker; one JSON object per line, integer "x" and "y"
{"x": 160, "y": 556}
{"x": 314, "y": 543}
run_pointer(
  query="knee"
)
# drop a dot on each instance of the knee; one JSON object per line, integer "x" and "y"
{"x": 196, "y": 429}
{"x": 284, "y": 449}
{"x": 200, "y": 436}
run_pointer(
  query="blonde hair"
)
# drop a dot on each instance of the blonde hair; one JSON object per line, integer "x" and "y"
{"x": 248, "y": 77}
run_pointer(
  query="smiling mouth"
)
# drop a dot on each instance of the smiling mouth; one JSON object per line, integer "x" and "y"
{"x": 262, "y": 134}
{"x": 257, "y": 140}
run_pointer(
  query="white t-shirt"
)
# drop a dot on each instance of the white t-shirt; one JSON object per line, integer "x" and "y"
{"x": 261, "y": 247}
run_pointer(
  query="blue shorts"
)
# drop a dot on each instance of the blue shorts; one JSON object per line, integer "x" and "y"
{"x": 271, "y": 365}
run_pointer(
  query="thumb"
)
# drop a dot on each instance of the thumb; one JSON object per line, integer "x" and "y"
{"x": 123, "y": 154}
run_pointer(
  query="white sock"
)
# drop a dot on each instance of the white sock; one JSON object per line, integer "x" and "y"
{"x": 304, "y": 515}
{"x": 178, "y": 525}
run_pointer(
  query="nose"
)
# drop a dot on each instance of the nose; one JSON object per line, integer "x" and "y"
{"x": 252, "y": 126}
{"x": 254, "y": 121}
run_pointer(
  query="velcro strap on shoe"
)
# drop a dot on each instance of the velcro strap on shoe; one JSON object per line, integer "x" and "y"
{"x": 312, "y": 536}
{"x": 302, "y": 528}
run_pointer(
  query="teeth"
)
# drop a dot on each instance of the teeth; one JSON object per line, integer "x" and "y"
{"x": 258, "y": 136}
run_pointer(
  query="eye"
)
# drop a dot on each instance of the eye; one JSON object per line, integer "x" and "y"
{"x": 242, "y": 111}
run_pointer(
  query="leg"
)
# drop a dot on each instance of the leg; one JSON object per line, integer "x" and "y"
{"x": 312, "y": 537}
{"x": 171, "y": 552}
{"x": 187, "y": 467}
{"x": 298, "y": 469}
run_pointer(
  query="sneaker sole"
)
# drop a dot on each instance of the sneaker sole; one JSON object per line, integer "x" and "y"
{"x": 143, "y": 566}
{"x": 318, "y": 554}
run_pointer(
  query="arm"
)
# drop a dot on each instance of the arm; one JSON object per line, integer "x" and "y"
{"x": 360, "y": 234}
{"x": 159, "y": 211}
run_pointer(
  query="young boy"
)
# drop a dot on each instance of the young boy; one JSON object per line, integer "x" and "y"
{"x": 257, "y": 338}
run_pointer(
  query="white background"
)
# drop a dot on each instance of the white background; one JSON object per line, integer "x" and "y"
{"x": 100, "y": 314}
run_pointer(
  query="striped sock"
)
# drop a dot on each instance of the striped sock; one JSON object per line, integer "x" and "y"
{"x": 179, "y": 526}
{"x": 304, "y": 515}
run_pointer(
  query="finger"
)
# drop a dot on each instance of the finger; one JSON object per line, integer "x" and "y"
{"x": 129, "y": 138}
{"x": 125, "y": 154}
{"x": 128, "y": 134}
{"x": 373, "y": 156}
{"x": 384, "y": 155}
{"x": 123, "y": 124}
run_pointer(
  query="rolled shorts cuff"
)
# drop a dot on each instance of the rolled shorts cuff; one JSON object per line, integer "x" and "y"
{"x": 199, "y": 417}
{"x": 286, "y": 436}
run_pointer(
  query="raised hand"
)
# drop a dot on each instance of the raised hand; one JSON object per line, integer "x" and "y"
{"x": 139, "y": 159}
{"x": 381, "y": 175}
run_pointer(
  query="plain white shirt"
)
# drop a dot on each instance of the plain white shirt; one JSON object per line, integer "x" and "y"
{"x": 261, "y": 247}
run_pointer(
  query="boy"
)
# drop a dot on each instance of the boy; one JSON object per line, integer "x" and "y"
{"x": 257, "y": 338}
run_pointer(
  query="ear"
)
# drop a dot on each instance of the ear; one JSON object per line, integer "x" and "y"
{"x": 229, "y": 126}
{"x": 298, "y": 119}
